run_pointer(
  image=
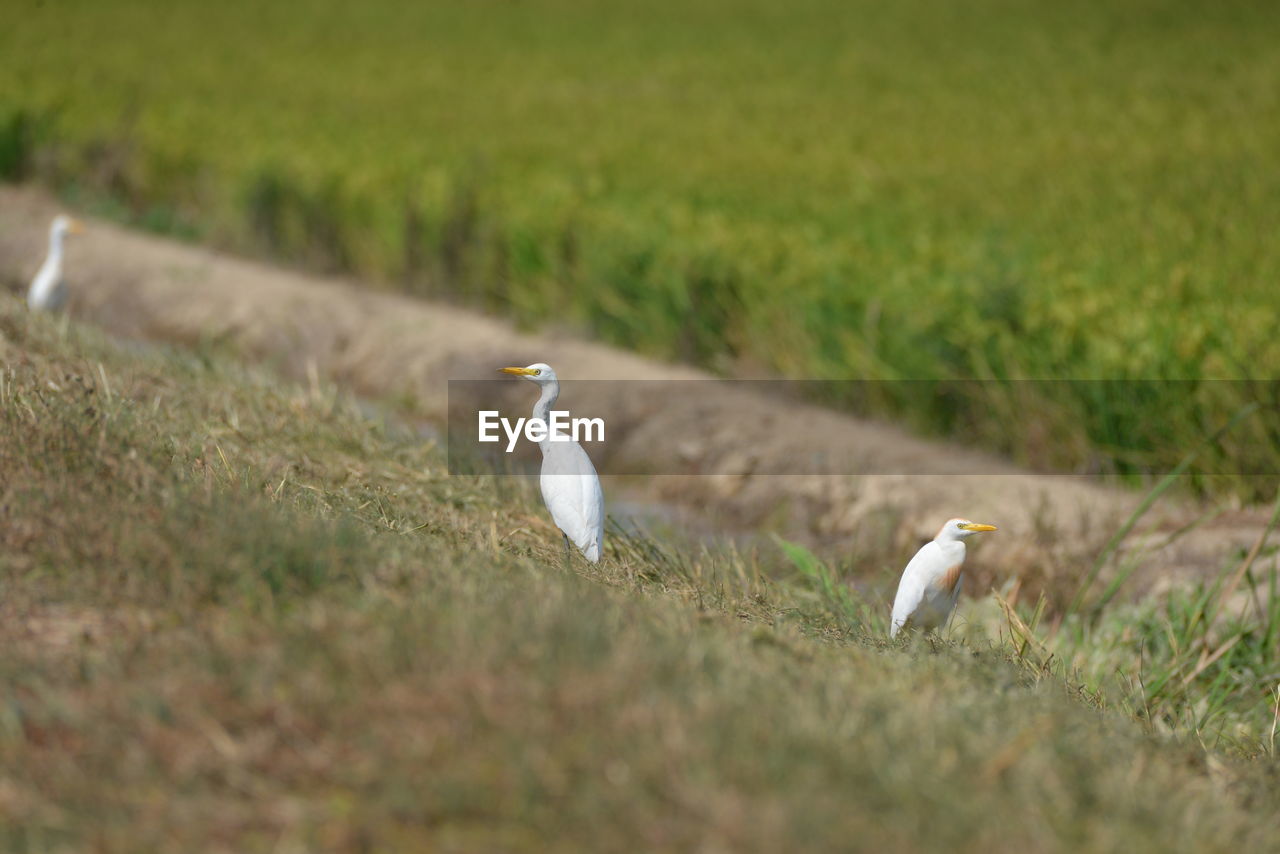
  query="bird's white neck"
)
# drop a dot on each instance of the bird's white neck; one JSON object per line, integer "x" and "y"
{"x": 55, "y": 248}
{"x": 46, "y": 280}
{"x": 542, "y": 409}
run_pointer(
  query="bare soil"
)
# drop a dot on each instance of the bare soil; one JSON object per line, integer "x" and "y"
{"x": 389, "y": 346}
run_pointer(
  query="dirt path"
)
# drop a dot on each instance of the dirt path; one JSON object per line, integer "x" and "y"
{"x": 382, "y": 344}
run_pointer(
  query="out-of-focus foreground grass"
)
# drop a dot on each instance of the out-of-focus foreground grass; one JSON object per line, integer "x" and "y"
{"x": 239, "y": 615}
{"x": 1003, "y": 189}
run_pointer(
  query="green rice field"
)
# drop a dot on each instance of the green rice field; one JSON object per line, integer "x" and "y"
{"x": 1000, "y": 190}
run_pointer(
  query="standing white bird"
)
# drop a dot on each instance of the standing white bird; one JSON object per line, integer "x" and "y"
{"x": 570, "y": 485}
{"x": 931, "y": 582}
{"x": 48, "y": 291}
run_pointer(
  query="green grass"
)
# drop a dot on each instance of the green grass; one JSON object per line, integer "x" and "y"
{"x": 239, "y": 615}
{"x": 821, "y": 189}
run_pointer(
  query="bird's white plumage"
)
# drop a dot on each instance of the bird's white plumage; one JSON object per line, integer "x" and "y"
{"x": 48, "y": 291}
{"x": 569, "y": 482}
{"x": 571, "y": 490}
{"x": 931, "y": 583}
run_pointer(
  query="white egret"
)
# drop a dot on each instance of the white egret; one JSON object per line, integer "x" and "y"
{"x": 48, "y": 291}
{"x": 570, "y": 485}
{"x": 931, "y": 582}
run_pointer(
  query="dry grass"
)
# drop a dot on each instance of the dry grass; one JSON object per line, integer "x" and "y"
{"x": 240, "y": 616}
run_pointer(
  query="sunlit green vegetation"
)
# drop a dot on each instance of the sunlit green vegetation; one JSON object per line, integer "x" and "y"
{"x": 1001, "y": 189}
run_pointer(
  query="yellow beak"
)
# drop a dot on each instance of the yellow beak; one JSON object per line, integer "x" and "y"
{"x": 974, "y": 526}
{"x": 520, "y": 372}
{"x": 75, "y": 227}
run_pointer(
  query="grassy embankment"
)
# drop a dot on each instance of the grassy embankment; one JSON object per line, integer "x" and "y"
{"x": 237, "y": 613}
{"x": 819, "y": 189}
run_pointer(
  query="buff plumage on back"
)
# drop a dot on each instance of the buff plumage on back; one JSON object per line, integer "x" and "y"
{"x": 951, "y": 578}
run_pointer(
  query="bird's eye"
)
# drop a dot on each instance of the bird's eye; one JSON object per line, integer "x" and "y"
{"x": 537, "y": 372}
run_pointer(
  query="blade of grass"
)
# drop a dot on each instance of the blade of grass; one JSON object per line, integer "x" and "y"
{"x": 1275, "y": 721}
{"x": 1206, "y": 663}
{"x": 834, "y": 594}
{"x": 1141, "y": 510}
{"x": 1247, "y": 563}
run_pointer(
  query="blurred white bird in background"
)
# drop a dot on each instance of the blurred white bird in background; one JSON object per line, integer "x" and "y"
{"x": 48, "y": 290}
{"x": 570, "y": 485}
{"x": 930, "y": 584}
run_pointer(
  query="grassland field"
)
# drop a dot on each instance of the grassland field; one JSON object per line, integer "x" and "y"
{"x": 293, "y": 630}
{"x": 1004, "y": 189}
{"x": 241, "y": 615}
